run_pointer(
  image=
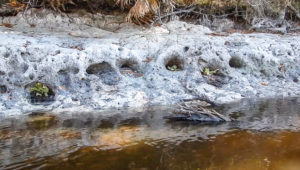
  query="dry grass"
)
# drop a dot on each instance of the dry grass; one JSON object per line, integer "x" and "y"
{"x": 59, "y": 4}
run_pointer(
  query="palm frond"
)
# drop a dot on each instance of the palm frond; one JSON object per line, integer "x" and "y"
{"x": 143, "y": 11}
{"x": 123, "y": 4}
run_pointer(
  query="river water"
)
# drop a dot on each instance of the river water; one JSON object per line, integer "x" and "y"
{"x": 263, "y": 135}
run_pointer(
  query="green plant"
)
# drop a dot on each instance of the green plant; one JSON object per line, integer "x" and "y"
{"x": 173, "y": 68}
{"x": 208, "y": 72}
{"x": 40, "y": 90}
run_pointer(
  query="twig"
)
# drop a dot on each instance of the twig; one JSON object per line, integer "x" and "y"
{"x": 175, "y": 13}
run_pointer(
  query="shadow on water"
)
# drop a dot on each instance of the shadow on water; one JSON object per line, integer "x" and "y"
{"x": 264, "y": 135}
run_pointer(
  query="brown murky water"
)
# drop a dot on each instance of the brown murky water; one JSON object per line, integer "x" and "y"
{"x": 263, "y": 135}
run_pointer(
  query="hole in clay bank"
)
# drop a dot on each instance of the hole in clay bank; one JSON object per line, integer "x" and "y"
{"x": 2, "y": 73}
{"x": 186, "y": 49}
{"x": 105, "y": 71}
{"x": 73, "y": 70}
{"x": 174, "y": 64}
{"x": 214, "y": 76}
{"x": 217, "y": 81}
{"x": 129, "y": 67}
{"x": 212, "y": 67}
{"x": 31, "y": 76}
{"x": 3, "y": 89}
{"x": 99, "y": 68}
{"x": 40, "y": 93}
{"x": 214, "y": 73}
{"x": 236, "y": 62}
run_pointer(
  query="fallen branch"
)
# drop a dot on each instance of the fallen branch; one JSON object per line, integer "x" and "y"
{"x": 175, "y": 13}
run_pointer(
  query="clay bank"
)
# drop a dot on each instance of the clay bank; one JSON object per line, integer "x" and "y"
{"x": 92, "y": 64}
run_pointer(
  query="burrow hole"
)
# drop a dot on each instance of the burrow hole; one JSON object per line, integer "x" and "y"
{"x": 174, "y": 63}
{"x": 3, "y": 89}
{"x": 212, "y": 65}
{"x": 236, "y": 62}
{"x": 68, "y": 70}
{"x": 2, "y": 73}
{"x": 129, "y": 67}
{"x": 217, "y": 72}
{"x": 65, "y": 75}
{"x": 105, "y": 72}
{"x": 38, "y": 96}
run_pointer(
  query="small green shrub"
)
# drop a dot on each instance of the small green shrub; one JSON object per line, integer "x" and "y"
{"x": 173, "y": 68}
{"x": 40, "y": 90}
{"x": 208, "y": 72}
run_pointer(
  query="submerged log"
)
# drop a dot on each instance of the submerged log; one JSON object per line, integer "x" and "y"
{"x": 199, "y": 111}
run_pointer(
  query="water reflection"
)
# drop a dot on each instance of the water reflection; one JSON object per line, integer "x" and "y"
{"x": 264, "y": 135}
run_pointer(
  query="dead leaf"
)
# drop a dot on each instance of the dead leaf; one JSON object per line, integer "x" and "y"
{"x": 5, "y": 24}
{"x": 139, "y": 75}
{"x": 16, "y": 5}
{"x": 212, "y": 79}
{"x": 78, "y": 48}
{"x": 264, "y": 83}
{"x": 127, "y": 72}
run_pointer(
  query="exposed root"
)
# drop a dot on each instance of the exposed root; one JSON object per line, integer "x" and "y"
{"x": 149, "y": 11}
